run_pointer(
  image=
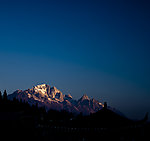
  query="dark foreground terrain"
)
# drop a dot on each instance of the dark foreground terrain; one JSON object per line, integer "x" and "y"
{"x": 19, "y": 120}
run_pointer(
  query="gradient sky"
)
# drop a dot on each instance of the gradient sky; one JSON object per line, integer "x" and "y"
{"x": 101, "y": 48}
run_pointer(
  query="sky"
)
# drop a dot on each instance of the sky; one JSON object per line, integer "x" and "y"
{"x": 99, "y": 48}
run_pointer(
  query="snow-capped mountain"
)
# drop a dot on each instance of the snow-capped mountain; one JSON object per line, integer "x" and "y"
{"x": 52, "y": 98}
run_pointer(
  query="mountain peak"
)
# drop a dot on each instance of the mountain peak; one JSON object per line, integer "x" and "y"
{"x": 85, "y": 97}
{"x": 41, "y": 85}
{"x": 68, "y": 96}
{"x": 54, "y": 88}
{"x": 42, "y": 88}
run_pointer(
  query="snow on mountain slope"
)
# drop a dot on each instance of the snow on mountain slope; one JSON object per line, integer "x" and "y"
{"x": 52, "y": 98}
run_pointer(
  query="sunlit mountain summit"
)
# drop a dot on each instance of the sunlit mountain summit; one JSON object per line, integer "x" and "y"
{"x": 51, "y": 98}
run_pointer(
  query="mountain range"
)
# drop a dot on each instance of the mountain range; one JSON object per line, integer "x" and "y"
{"x": 51, "y": 98}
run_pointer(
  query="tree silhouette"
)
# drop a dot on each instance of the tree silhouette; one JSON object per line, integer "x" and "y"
{"x": 105, "y": 105}
{"x": 5, "y": 96}
{"x": 0, "y": 96}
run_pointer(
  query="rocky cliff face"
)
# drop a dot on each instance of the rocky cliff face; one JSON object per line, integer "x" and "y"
{"x": 52, "y": 98}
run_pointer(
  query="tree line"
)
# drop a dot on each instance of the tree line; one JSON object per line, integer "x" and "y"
{"x": 32, "y": 121}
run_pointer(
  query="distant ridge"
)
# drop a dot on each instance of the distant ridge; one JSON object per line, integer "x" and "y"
{"x": 52, "y": 98}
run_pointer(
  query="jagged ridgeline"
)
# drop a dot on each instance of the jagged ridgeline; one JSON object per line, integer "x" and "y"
{"x": 51, "y": 98}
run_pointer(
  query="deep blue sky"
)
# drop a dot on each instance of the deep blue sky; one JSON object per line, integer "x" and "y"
{"x": 100, "y": 48}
